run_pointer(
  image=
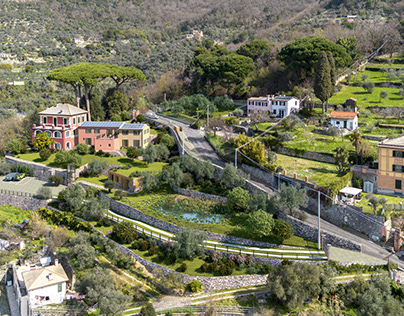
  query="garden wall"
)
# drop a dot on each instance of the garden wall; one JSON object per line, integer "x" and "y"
{"x": 309, "y": 231}
{"x": 344, "y": 215}
{"x": 26, "y": 203}
{"x": 311, "y": 155}
{"x": 43, "y": 172}
{"x": 200, "y": 195}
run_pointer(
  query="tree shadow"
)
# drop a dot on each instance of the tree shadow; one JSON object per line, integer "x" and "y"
{"x": 322, "y": 170}
{"x": 361, "y": 93}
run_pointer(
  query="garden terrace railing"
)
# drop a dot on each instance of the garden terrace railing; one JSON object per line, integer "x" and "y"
{"x": 16, "y": 193}
{"x": 221, "y": 309}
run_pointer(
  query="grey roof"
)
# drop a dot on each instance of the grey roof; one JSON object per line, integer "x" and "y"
{"x": 63, "y": 109}
{"x": 133, "y": 126}
{"x": 284, "y": 97}
{"x": 395, "y": 142}
{"x": 102, "y": 124}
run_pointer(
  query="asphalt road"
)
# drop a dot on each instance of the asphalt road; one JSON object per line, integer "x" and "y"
{"x": 206, "y": 152}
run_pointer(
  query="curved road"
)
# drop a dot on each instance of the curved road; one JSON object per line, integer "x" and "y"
{"x": 197, "y": 140}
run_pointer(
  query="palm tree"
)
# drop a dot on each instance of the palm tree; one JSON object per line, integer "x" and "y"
{"x": 355, "y": 138}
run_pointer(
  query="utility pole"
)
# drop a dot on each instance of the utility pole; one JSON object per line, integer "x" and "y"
{"x": 207, "y": 116}
{"x": 183, "y": 142}
{"x": 319, "y": 208}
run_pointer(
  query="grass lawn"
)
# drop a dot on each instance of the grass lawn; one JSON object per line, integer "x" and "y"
{"x": 13, "y": 214}
{"x": 366, "y": 99}
{"x": 320, "y": 172}
{"x": 264, "y": 126}
{"x": 369, "y": 209}
{"x": 305, "y": 139}
{"x": 153, "y": 131}
{"x": 94, "y": 179}
{"x": 183, "y": 117}
{"x": 149, "y": 203}
{"x": 375, "y": 76}
{"x": 193, "y": 267}
{"x": 113, "y": 160}
{"x": 138, "y": 165}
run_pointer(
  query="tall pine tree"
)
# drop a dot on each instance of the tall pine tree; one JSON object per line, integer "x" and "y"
{"x": 333, "y": 74}
{"x": 322, "y": 79}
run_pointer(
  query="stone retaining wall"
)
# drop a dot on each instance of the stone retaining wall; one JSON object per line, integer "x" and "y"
{"x": 309, "y": 231}
{"x": 26, "y": 203}
{"x": 200, "y": 195}
{"x": 43, "y": 172}
{"x": 312, "y": 155}
{"x": 345, "y": 215}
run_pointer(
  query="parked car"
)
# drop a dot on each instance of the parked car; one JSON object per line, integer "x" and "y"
{"x": 14, "y": 176}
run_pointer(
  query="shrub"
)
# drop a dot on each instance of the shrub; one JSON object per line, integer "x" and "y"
{"x": 215, "y": 256}
{"x": 5, "y": 168}
{"x": 152, "y": 251}
{"x": 225, "y": 270}
{"x": 119, "y": 194}
{"x": 45, "y": 153}
{"x": 82, "y": 149}
{"x": 104, "y": 221}
{"x": 97, "y": 166}
{"x": 286, "y": 262}
{"x": 172, "y": 258}
{"x": 213, "y": 267}
{"x": 56, "y": 179}
{"x": 183, "y": 267}
{"x": 195, "y": 286}
{"x": 124, "y": 232}
{"x": 145, "y": 245}
{"x": 205, "y": 267}
{"x": 44, "y": 193}
{"x": 282, "y": 230}
{"x": 230, "y": 263}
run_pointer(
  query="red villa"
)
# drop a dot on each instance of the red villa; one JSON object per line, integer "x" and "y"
{"x": 61, "y": 122}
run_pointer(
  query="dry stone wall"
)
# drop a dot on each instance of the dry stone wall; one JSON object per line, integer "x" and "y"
{"x": 312, "y": 155}
{"x": 43, "y": 172}
{"x": 26, "y": 203}
{"x": 200, "y": 195}
{"x": 309, "y": 231}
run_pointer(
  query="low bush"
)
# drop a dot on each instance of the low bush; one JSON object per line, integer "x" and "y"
{"x": 195, "y": 286}
{"x": 172, "y": 258}
{"x": 44, "y": 193}
{"x": 56, "y": 179}
{"x": 144, "y": 245}
{"x": 213, "y": 267}
{"x": 205, "y": 267}
{"x": 183, "y": 267}
{"x": 152, "y": 251}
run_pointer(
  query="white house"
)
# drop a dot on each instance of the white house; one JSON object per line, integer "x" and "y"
{"x": 277, "y": 106}
{"x": 45, "y": 285}
{"x": 348, "y": 120}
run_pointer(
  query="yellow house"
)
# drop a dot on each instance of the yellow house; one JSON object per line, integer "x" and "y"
{"x": 136, "y": 135}
{"x": 391, "y": 165}
{"x": 124, "y": 182}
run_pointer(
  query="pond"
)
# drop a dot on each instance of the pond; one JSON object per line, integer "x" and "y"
{"x": 190, "y": 216}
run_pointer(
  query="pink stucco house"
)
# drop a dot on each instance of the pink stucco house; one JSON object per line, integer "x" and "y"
{"x": 61, "y": 122}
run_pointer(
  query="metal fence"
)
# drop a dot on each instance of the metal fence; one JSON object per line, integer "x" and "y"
{"x": 16, "y": 193}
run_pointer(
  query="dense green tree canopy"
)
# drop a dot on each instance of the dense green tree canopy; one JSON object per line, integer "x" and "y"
{"x": 302, "y": 54}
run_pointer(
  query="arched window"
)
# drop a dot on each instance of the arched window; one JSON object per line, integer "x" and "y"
{"x": 49, "y": 133}
{"x": 67, "y": 134}
{"x": 68, "y": 145}
{"x": 57, "y": 134}
{"x": 57, "y": 145}
{"x": 37, "y": 132}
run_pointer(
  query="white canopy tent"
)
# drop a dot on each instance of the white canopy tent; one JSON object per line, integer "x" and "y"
{"x": 350, "y": 195}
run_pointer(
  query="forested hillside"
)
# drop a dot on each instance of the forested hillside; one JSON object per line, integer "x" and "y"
{"x": 151, "y": 35}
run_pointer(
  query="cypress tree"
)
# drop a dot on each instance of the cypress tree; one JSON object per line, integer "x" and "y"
{"x": 333, "y": 74}
{"x": 322, "y": 79}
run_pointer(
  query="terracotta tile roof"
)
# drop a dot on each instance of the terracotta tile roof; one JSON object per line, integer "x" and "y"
{"x": 343, "y": 115}
{"x": 38, "y": 278}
